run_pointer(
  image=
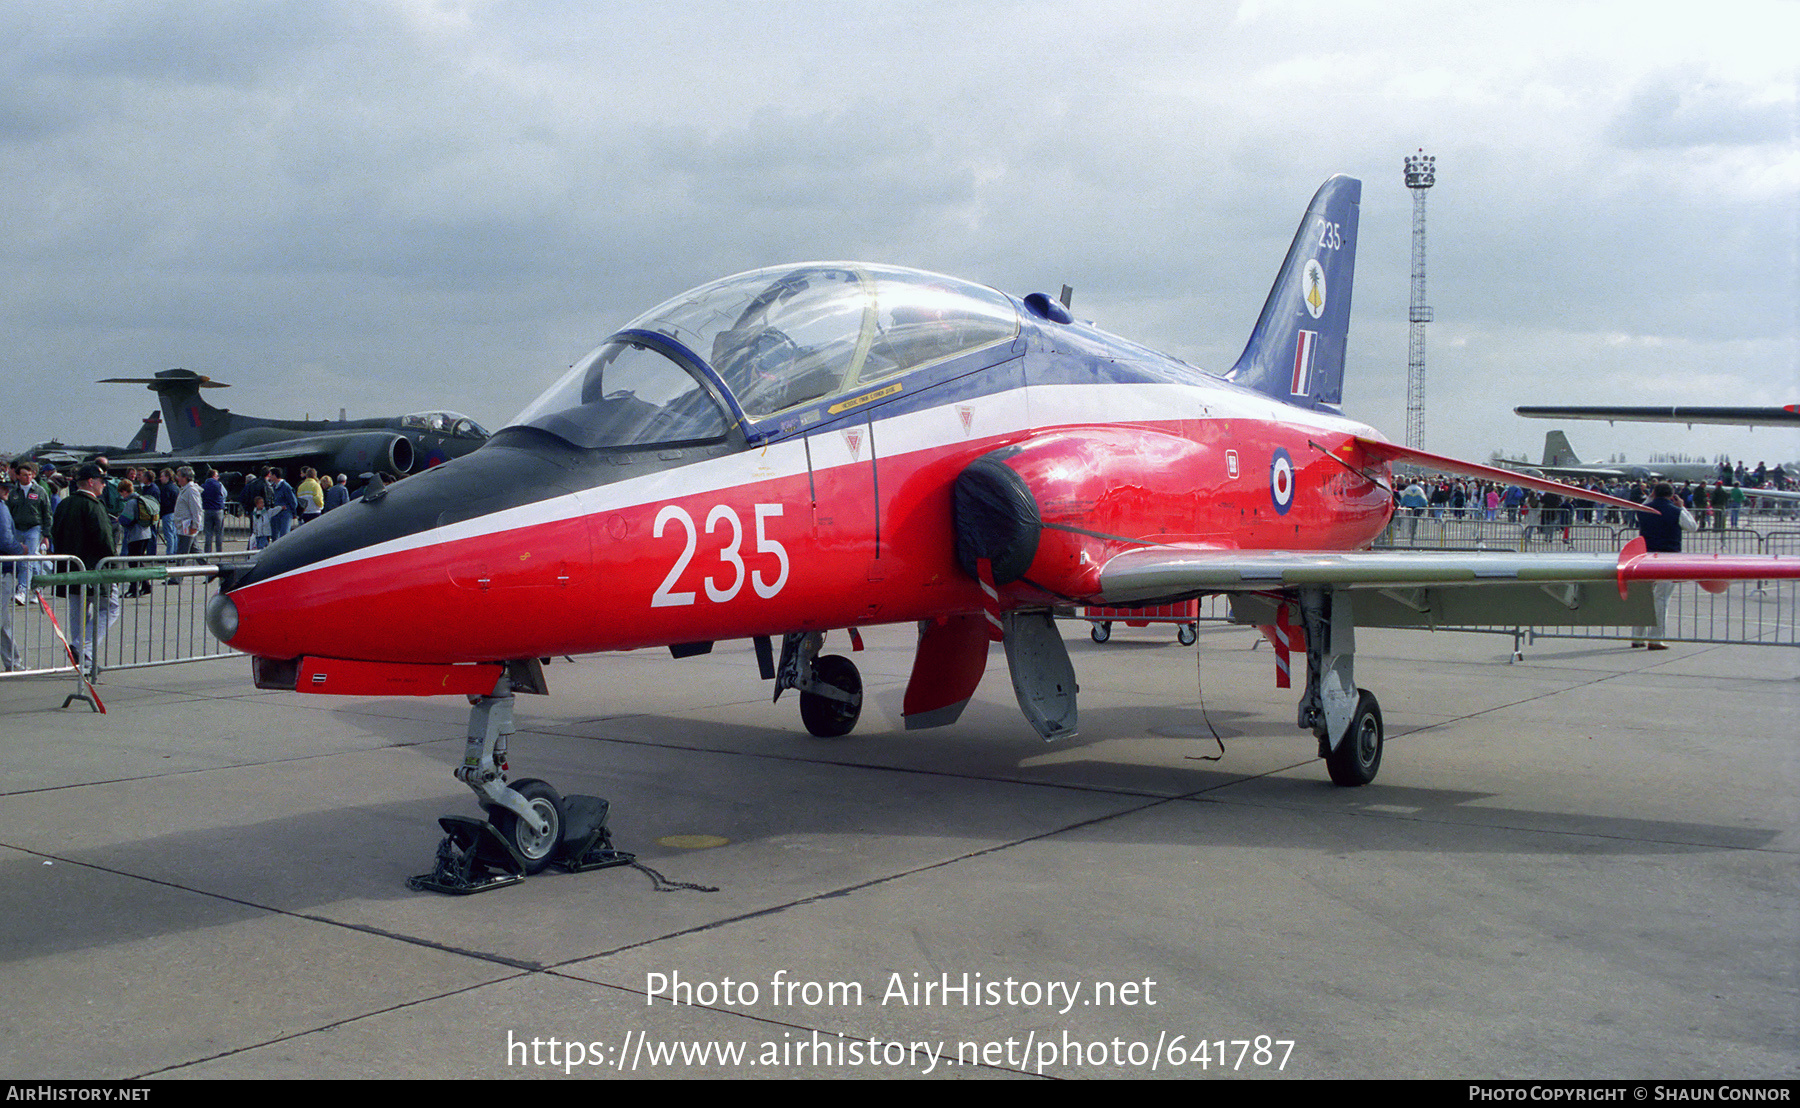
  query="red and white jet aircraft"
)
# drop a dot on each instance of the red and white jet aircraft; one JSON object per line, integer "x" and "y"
{"x": 824, "y": 446}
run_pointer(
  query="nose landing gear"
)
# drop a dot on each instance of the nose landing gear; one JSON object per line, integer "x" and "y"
{"x": 529, "y": 827}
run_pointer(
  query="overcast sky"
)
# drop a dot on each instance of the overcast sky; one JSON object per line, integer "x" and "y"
{"x": 393, "y": 205}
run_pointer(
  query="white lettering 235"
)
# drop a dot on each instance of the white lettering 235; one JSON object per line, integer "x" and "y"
{"x": 666, "y": 597}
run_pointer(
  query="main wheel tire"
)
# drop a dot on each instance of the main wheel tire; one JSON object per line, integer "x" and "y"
{"x": 1187, "y": 634}
{"x": 1101, "y": 632}
{"x": 1357, "y": 758}
{"x": 536, "y": 849}
{"x": 824, "y": 716}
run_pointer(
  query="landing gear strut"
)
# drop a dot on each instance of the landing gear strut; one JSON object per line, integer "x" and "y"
{"x": 529, "y": 827}
{"x": 1346, "y": 719}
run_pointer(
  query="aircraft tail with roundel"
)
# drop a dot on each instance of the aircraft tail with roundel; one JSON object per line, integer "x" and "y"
{"x": 190, "y": 419}
{"x": 145, "y": 441}
{"x": 1296, "y": 352}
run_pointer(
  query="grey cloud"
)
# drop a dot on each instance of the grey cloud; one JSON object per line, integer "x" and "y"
{"x": 369, "y": 188}
{"x": 1684, "y": 108}
{"x": 210, "y": 42}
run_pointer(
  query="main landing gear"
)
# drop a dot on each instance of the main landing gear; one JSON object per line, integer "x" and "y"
{"x": 529, "y": 827}
{"x": 1346, "y": 719}
{"x": 831, "y": 694}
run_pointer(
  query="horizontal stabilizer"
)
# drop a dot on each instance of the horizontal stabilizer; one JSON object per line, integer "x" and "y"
{"x": 169, "y": 380}
{"x": 1394, "y": 452}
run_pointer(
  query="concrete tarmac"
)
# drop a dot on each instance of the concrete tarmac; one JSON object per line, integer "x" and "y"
{"x": 1583, "y": 865}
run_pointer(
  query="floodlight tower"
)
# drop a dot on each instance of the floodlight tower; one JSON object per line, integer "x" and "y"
{"x": 1421, "y": 174}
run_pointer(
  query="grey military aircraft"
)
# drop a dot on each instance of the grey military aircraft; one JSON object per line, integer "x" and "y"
{"x": 62, "y": 454}
{"x": 199, "y": 432}
{"x": 1560, "y": 460}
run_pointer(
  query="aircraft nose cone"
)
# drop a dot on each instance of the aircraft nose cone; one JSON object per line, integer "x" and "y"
{"x": 222, "y": 617}
{"x": 382, "y": 577}
{"x": 500, "y": 475}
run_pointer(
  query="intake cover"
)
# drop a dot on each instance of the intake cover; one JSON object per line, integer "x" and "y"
{"x": 996, "y": 518}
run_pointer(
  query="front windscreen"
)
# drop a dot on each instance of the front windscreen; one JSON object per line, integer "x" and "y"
{"x": 626, "y": 394}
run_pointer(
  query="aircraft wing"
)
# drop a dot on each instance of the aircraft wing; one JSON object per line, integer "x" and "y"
{"x": 1529, "y": 468}
{"x": 1421, "y": 588}
{"x": 1770, "y": 494}
{"x": 1785, "y": 416}
{"x": 350, "y": 451}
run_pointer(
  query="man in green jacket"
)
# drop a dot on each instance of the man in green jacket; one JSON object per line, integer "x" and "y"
{"x": 84, "y": 528}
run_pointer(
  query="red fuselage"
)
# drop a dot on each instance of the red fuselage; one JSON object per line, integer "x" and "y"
{"x": 845, "y": 525}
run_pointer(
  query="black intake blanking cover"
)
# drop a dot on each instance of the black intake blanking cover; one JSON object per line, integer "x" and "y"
{"x": 996, "y": 517}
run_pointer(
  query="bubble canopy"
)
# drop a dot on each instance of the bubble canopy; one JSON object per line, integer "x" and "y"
{"x": 753, "y": 346}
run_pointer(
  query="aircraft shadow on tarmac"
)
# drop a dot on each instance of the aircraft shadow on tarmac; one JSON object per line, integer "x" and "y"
{"x": 754, "y": 784}
{"x": 1131, "y": 776}
{"x": 990, "y": 746}
{"x": 364, "y": 853}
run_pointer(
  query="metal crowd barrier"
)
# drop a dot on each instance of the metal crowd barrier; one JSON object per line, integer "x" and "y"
{"x": 1766, "y": 510}
{"x": 1781, "y": 542}
{"x": 1591, "y": 537}
{"x": 1406, "y": 532}
{"x": 163, "y": 622}
{"x": 141, "y": 622}
{"x": 28, "y": 644}
{"x": 1762, "y": 613}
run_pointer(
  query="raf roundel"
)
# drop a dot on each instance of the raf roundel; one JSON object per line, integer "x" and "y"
{"x": 1281, "y": 481}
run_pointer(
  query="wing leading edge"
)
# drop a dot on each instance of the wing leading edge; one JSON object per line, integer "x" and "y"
{"x": 1426, "y": 589}
{"x": 1174, "y": 570}
{"x": 1788, "y": 415}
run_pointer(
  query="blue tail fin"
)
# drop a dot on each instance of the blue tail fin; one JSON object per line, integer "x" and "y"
{"x": 1296, "y": 353}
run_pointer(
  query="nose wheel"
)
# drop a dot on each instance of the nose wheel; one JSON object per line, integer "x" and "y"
{"x": 536, "y": 845}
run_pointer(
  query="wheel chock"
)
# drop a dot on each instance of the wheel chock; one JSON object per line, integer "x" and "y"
{"x": 586, "y": 842}
{"x": 473, "y": 858}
